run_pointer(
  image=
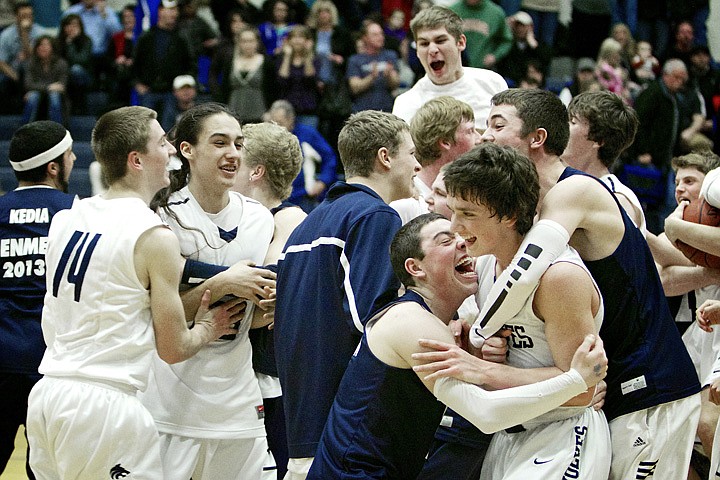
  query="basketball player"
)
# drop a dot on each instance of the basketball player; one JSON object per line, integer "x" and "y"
{"x": 269, "y": 163}
{"x": 382, "y": 400}
{"x": 41, "y": 157}
{"x": 209, "y": 409}
{"x": 112, "y": 300}
{"x": 337, "y": 262}
{"x": 650, "y": 377}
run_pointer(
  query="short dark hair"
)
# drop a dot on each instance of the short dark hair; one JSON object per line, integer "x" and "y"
{"x": 539, "y": 109}
{"x": 407, "y": 244}
{"x": 612, "y": 123}
{"x": 500, "y": 178}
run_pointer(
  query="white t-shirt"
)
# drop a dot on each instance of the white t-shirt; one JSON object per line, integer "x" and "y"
{"x": 476, "y": 87}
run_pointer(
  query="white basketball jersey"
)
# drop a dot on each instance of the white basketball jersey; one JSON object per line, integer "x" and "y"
{"x": 215, "y": 393}
{"x": 96, "y": 320}
{"x": 529, "y": 344}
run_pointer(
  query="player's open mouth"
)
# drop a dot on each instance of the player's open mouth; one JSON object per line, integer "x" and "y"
{"x": 437, "y": 65}
{"x": 466, "y": 267}
{"x": 229, "y": 168}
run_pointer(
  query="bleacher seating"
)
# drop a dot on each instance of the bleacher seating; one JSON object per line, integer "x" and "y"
{"x": 8, "y": 125}
{"x": 81, "y": 127}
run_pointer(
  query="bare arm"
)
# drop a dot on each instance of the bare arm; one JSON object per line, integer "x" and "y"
{"x": 360, "y": 84}
{"x": 703, "y": 237}
{"x": 159, "y": 264}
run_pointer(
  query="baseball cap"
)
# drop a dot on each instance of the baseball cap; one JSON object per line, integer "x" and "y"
{"x": 585, "y": 63}
{"x": 183, "y": 81}
{"x": 523, "y": 17}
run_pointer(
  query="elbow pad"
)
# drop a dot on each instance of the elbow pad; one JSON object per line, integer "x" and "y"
{"x": 545, "y": 241}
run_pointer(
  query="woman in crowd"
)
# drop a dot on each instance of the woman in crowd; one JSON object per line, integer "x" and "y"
{"x": 46, "y": 76}
{"x": 296, "y": 75}
{"x": 76, "y": 48}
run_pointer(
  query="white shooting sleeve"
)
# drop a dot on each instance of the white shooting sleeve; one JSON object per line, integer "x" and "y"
{"x": 545, "y": 241}
{"x": 491, "y": 411}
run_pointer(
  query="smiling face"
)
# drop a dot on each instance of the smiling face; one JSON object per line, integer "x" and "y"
{"x": 477, "y": 225}
{"x": 439, "y": 53}
{"x": 447, "y": 264}
{"x": 437, "y": 200}
{"x": 215, "y": 158}
{"x": 505, "y": 128}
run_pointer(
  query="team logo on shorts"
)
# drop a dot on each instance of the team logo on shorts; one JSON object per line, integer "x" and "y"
{"x": 573, "y": 470}
{"x": 118, "y": 472}
{"x": 260, "y": 410}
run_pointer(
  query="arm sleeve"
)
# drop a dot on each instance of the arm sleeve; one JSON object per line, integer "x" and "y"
{"x": 710, "y": 189}
{"x": 491, "y": 411}
{"x": 545, "y": 241}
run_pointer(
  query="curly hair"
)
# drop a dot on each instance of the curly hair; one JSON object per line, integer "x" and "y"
{"x": 278, "y": 150}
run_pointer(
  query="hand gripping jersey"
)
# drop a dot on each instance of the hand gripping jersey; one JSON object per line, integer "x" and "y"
{"x": 214, "y": 394}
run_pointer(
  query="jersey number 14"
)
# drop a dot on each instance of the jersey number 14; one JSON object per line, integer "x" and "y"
{"x": 81, "y": 247}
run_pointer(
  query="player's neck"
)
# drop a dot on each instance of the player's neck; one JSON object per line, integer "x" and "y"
{"x": 441, "y": 302}
{"x": 376, "y": 185}
{"x": 211, "y": 201}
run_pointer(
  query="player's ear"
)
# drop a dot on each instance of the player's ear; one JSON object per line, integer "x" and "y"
{"x": 539, "y": 138}
{"x": 258, "y": 172}
{"x": 413, "y": 267}
{"x": 134, "y": 161}
{"x": 186, "y": 149}
{"x": 462, "y": 42}
{"x": 383, "y": 158}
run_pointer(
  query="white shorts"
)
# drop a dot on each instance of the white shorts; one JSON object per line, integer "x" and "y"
{"x": 298, "y": 468}
{"x": 655, "y": 442}
{"x": 80, "y": 430}
{"x": 213, "y": 459}
{"x": 578, "y": 447}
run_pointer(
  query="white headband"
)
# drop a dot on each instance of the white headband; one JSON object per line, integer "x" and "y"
{"x": 44, "y": 157}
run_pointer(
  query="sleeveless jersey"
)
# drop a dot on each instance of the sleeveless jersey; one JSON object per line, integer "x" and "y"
{"x": 25, "y": 215}
{"x": 529, "y": 347}
{"x": 382, "y": 421}
{"x": 96, "y": 321}
{"x": 213, "y": 394}
{"x": 616, "y": 186}
{"x": 648, "y": 364}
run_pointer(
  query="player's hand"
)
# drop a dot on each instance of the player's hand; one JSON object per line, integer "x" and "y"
{"x": 590, "y": 360}
{"x": 674, "y": 222}
{"x": 460, "y": 331}
{"x": 495, "y": 348}
{"x": 449, "y": 360}
{"x": 268, "y": 305}
{"x": 245, "y": 281}
{"x": 714, "y": 391}
{"x": 708, "y": 314}
{"x": 218, "y": 321}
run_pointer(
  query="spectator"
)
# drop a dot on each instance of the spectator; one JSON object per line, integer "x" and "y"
{"x": 585, "y": 80}
{"x": 185, "y": 96}
{"x": 609, "y": 70}
{"x": 199, "y": 35}
{"x": 333, "y": 47}
{"x": 625, "y": 12}
{"x": 46, "y": 78}
{"x": 319, "y": 160}
{"x": 705, "y": 78}
{"x": 653, "y": 25}
{"x": 76, "y": 48}
{"x": 658, "y": 135}
{"x": 248, "y": 77}
{"x": 544, "y": 14}
{"x": 644, "y": 64}
{"x": 121, "y": 52}
{"x": 373, "y": 74}
{"x": 525, "y": 48}
{"x": 161, "y": 54}
{"x": 274, "y": 31}
{"x": 621, "y": 33}
{"x": 16, "y": 45}
{"x": 683, "y": 41}
{"x": 232, "y": 24}
{"x": 224, "y": 11}
{"x": 488, "y": 34}
{"x": 296, "y": 75}
{"x": 100, "y": 23}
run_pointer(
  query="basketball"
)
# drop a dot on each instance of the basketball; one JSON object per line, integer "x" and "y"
{"x": 699, "y": 211}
